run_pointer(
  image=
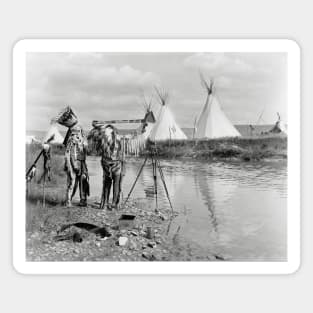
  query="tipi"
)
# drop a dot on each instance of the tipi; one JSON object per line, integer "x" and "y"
{"x": 53, "y": 130}
{"x": 165, "y": 127}
{"x": 279, "y": 127}
{"x": 31, "y": 139}
{"x": 213, "y": 123}
{"x": 148, "y": 120}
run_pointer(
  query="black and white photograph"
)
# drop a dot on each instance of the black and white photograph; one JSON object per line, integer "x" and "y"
{"x": 156, "y": 156}
{"x": 166, "y": 156}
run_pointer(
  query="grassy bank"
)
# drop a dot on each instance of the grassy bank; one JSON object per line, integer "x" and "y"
{"x": 153, "y": 237}
{"x": 241, "y": 148}
{"x": 245, "y": 149}
{"x": 55, "y": 192}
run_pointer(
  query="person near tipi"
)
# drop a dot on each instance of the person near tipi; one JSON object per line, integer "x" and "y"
{"x": 112, "y": 159}
{"x": 75, "y": 157}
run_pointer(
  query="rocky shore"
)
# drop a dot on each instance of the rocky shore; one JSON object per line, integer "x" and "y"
{"x": 90, "y": 234}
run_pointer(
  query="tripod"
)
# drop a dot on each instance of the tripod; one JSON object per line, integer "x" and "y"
{"x": 155, "y": 167}
{"x": 31, "y": 172}
{"x": 46, "y": 173}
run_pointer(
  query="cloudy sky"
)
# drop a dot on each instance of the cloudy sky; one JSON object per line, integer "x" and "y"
{"x": 109, "y": 86}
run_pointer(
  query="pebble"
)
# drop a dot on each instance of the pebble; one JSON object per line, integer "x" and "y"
{"x": 133, "y": 245}
{"x": 146, "y": 255}
{"x": 162, "y": 217}
{"x": 151, "y": 244}
{"x": 122, "y": 241}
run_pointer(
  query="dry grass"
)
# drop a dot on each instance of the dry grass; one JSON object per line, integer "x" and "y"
{"x": 246, "y": 149}
{"x": 54, "y": 189}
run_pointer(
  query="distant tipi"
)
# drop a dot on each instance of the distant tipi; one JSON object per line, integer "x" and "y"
{"x": 279, "y": 127}
{"x": 213, "y": 123}
{"x": 53, "y": 130}
{"x": 165, "y": 127}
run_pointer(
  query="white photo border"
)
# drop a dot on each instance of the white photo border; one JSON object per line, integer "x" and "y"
{"x": 155, "y": 45}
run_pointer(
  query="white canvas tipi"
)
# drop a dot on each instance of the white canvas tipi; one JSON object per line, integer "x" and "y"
{"x": 31, "y": 139}
{"x": 53, "y": 130}
{"x": 213, "y": 123}
{"x": 165, "y": 127}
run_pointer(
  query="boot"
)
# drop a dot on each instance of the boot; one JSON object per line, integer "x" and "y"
{"x": 115, "y": 206}
{"x": 83, "y": 203}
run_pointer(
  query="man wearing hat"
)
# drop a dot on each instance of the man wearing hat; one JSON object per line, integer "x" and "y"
{"x": 75, "y": 158}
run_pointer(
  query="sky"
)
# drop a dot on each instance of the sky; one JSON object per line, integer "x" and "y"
{"x": 104, "y": 86}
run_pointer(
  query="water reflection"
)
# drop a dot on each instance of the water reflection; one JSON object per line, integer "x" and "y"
{"x": 213, "y": 190}
{"x": 235, "y": 209}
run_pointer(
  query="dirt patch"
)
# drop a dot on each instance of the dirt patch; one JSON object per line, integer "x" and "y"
{"x": 54, "y": 236}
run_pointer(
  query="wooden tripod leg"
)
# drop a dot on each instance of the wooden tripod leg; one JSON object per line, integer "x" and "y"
{"x": 154, "y": 170}
{"x": 138, "y": 175}
{"x": 44, "y": 191}
{"x": 164, "y": 184}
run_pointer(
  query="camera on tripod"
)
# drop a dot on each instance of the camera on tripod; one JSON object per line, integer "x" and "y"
{"x": 156, "y": 167}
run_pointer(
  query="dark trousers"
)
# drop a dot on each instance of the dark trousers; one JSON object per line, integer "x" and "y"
{"x": 83, "y": 181}
{"x": 109, "y": 178}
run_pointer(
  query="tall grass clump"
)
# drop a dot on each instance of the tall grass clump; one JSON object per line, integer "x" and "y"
{"x": 55, "y": 187}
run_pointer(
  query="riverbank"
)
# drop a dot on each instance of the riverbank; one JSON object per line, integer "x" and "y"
{"x": 245, "y": 149}
{"x": 240, "y": 148}
{"x": 175, "y": 239}
{"x": 57, "y": 233}
{"x": 209, "y": 225}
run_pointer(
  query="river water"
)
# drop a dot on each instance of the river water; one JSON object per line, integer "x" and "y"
{"x": 236, "y": 210}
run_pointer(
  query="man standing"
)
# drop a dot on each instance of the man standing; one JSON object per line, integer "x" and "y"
{"x": 112, "y": 165}
{"x": 75, "y": 165}
{"x": 75, "y": 157}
